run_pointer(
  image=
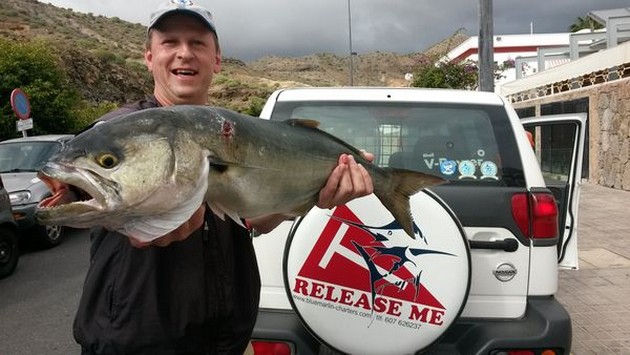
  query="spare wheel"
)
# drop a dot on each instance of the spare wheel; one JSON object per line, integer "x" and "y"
{"x": 361, "y": 285}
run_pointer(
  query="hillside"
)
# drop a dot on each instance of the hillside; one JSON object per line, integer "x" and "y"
{"x": 103, "y": 57}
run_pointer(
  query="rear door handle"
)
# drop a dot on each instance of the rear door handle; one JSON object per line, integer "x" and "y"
{"x": 508, "y": 244}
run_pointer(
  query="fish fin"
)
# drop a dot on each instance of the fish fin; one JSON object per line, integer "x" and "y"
{"x": 149, "y": 229}
{"x": 314, "y": 126}
{"x": 217, "y": 211}
{"x": 222, "y": 212}
{"x": 395, "y": 190}
{"x": 220, "y": 165}
{"x": 305, "y": 122}
{"x": 217, "y": 163}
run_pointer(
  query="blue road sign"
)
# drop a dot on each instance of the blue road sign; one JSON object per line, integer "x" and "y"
{"x": 20, "y": 104}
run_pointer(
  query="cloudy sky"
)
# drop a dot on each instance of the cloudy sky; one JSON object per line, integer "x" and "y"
{"x": 250, "y": 29}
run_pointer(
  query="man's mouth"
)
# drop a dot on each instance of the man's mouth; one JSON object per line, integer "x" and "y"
{"x": 184, "y": 72}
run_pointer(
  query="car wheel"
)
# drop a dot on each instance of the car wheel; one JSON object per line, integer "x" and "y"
{"x": 49, "y": 236}
{"x": 9, "y": 252}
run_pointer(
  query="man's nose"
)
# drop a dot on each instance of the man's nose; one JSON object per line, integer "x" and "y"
{"x": 184, "y": 52}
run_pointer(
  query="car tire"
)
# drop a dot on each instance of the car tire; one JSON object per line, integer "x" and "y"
{"x": 9, "y": 252}
{"x": 49, "y": 236}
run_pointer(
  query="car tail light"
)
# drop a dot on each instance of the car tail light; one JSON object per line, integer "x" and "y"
{"x": 536, "y": 214}
{"x": 271, "y": 348}
{"x": 529, "y": 352}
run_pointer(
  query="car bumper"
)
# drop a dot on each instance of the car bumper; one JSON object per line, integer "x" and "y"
{"x": 545, "y": 325}
{"x": 25, "y": 215}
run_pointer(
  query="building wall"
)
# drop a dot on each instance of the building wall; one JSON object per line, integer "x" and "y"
{"x": 509, "y": 48}
{"x": 609, "y": 129}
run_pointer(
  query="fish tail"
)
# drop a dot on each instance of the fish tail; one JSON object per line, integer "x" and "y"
{"x": 395, "y": 188}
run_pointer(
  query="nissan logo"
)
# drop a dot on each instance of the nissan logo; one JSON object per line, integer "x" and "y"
{"x": 504, "y": 272}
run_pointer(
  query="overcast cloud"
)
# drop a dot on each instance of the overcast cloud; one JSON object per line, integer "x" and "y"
{"x": 250, "y": 29}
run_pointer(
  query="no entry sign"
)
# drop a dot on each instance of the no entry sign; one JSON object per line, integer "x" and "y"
{"x": 20, "y": 104}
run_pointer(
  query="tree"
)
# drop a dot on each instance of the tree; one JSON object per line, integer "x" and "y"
{"x": 585, "y": 23}
{"x": 33, "y": 67}
{"x": 453, "y": 75}
{"x": 432, "y": 73}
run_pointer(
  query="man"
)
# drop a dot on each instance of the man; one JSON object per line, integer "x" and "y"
{"x": 195, "y": 290}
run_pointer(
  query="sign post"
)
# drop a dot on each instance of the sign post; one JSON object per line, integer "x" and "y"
{"x": 22, "y": 109}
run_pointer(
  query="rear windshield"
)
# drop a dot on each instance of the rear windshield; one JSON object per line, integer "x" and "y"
{"x": 466, "y": 144}
{"x": 26, "y": 156}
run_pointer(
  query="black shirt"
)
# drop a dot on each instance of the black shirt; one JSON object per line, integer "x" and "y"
{"x": 197, "y": 296}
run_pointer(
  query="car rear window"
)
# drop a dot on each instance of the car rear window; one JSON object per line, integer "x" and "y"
{"x": 26, "y": 156}
{"x": 466, "y": 144}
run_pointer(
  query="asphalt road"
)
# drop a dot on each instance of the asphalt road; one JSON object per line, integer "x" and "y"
{"x": 38, "y": 302}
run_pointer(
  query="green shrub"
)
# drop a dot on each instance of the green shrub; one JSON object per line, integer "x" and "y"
{"x": 255, "y": 106}
{"x": 33, "y": 67}
{"x": 438, "y": 74}
{"x": 106, "y": 56}
{"x": 85, "y": 114}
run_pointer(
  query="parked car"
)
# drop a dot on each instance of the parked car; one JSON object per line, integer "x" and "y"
{"x": 9, "y": 249}
{"x": 20, "y": 160}
{"x": 480, "y": 275}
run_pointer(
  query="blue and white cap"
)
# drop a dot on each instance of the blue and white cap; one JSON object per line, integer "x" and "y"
{"x": 182, "y": 6}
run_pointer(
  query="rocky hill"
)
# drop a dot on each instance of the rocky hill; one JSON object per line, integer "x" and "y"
{"x": 103, "y": 57}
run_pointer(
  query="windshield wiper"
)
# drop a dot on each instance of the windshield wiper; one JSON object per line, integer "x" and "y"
{"x": 20, "y": 170}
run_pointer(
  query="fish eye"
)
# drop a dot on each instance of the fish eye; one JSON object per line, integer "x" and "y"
{"x": 107, "y": 160}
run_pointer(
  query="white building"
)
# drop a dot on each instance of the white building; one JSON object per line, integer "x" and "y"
{"x": 522, "y": 50}
{"x": 534, "y": 53}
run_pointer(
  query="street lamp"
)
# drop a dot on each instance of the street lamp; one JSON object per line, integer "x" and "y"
{"x": 486, "y": 46}
{"x": 350, "y": 42}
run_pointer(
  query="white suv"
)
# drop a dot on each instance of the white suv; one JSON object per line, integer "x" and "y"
{"x": 481, "y": 276}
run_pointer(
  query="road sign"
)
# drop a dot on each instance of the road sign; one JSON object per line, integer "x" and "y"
{"x": 20, "y": 104}
{"x": 23, "y": 125}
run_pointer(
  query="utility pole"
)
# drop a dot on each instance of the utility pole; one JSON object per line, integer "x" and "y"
{"x": 486, "y": 46}
{"x": 350, "y": 42}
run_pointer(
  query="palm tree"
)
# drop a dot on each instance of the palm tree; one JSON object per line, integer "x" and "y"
{"x": 585, "y": 22}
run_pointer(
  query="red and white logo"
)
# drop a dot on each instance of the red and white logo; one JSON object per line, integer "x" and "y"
{"x": 363, "y": 285}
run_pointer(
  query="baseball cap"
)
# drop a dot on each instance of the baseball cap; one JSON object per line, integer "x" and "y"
{"x": 182, "y": 6}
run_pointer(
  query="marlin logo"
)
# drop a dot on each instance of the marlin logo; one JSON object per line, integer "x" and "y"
{"x": 399, "y": 256}
{"x": 372, "y": 259}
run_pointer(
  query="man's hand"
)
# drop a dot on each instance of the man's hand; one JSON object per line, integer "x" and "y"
{"x": 182, "y": 232}
{"x": 348, "y": 181}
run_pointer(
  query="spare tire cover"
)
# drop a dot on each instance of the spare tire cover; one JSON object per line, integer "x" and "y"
{"x": 360, "y": 284}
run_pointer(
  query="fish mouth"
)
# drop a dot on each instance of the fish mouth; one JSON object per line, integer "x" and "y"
{"x": 78, "y": 195}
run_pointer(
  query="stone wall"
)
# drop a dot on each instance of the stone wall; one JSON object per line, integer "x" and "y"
{"x": 612, "y": 152}
{"x": 609, "y": 129}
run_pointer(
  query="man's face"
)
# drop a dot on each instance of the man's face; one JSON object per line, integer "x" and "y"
{"x": 183, "y": 58}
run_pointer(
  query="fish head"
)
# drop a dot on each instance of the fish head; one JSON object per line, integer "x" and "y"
{"x": 115, "y": 173}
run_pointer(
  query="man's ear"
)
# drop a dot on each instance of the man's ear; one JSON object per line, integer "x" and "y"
{"x": 148, "y": 59}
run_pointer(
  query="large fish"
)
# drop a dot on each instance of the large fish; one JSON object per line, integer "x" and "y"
{"x": 145, "y": 173}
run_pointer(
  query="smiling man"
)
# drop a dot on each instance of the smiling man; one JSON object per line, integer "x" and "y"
{"x": 196, "y": 289}
{"x": 182, "y": 55}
